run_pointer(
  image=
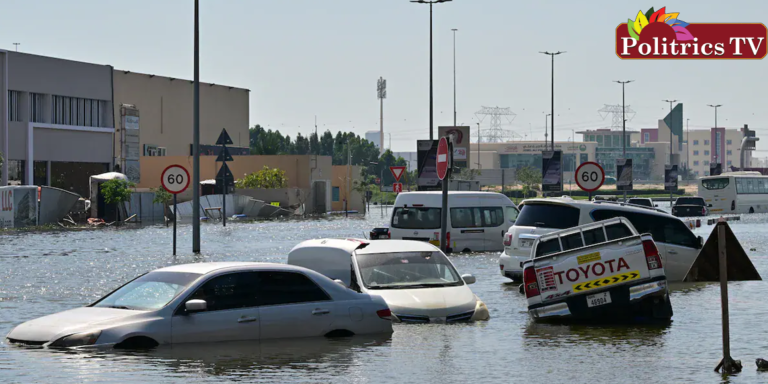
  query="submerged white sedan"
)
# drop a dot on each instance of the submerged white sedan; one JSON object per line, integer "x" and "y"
{"x": 418, "y": 282}
{"x": 208, "y": 302}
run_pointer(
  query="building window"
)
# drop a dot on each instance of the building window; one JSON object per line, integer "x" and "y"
{"x": 646, "y": 137}
{"x": 13, "y": 106}
{"x": 729, "y": 163}
{"x": 729, "y": 142}
{"x": 696, "y": 173}
{"x": 706, "y": 142}
{"x": 77, "y": 111}
{"x": 335, "y": 194}
{"x": 36, "y": 108}
{"x": 695, "y": 142}
{"x": 695, "y": 153}
{"x": 706, "y": 173}
{"x": 695, "y": 162}
{"x": 729, "y": 152}
{"x": 706, "y": 153}
{"x": 706, "y": 162}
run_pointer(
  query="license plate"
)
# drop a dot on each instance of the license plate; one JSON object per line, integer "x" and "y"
{"x": 526, "y": 243}
{"x": 598, "y": 299}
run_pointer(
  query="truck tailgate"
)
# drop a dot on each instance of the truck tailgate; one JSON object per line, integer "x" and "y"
{"x": 591, "y": 269}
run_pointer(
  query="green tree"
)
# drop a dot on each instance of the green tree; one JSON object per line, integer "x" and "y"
{"x": 267, "y": 178}
{"x": 117, "y": 191}
{"x": 302, "y": 145}
{"x": 468, "y": 174}
{"x": 529, "y": 177}
{"x": 162, "y": 197}
{"x": 362, "y": 186}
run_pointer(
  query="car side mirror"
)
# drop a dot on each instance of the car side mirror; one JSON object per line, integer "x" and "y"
{"x": 709, "y": 205}
{"x": 701, "y": 242}
{"x": 469, "y": 279}
{"x": 656, "y": 205}
{"x": 196, "y": 305}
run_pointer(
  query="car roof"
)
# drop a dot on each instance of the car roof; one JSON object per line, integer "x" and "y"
{"x": 390, "y": 246}
{"x": 581, "y": 204}
{"x": 205, "y": 268}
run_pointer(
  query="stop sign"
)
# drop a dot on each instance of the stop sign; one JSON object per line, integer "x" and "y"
{"x": 442, "y": 158}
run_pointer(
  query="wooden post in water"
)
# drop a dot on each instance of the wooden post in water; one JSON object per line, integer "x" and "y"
{"x": 727, "y": 363}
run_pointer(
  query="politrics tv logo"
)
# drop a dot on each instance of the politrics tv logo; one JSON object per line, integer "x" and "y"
{"x": 661, "y": 35}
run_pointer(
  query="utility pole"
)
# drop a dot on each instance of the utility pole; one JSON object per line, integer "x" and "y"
{"x": 553, "y": 54}
{"x": 624, "y": 125}
{"x": 196, "y": 139}
{"x": 687, "y": 148}
{"x": 719, "y": 148}
{"x": 670, "y": 142}
{"x": 431, "y": 93}
{"x": 381, "y": 93}
{"x": 454, "y": 75}
{"x": 546, "y": 129}
{"x": 478, "y": 146}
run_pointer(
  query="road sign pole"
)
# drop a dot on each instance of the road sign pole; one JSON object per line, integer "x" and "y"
{"x": 448, "y": 153}
{"x": 174, "y": 223}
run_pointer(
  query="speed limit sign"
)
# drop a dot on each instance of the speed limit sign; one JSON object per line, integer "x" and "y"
{"x": 175, "y": 179}
{"x": 590, "y": 176}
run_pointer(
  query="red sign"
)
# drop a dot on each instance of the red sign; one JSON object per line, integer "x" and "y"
{"x": 590, "y": 176}
{"x": 378, "y": 181}
{"x": 397, "y": 187}
{"x": 175, "y": 179}
{"x": 397, "y": 172}
{"x": 662, "y": 35}
{"x": 442, "y": 158}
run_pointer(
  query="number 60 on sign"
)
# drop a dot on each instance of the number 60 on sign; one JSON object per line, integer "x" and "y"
{"x": 590, "y": 176}
{"x": 175, "y": 179}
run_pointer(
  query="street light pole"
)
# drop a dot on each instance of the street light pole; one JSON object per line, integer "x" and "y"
{"x": 454, "y": 75}
{"x": 196, "y": 139}
{"x": 431, "y": 93}
{"x": 670, "y": 143}
{"x": 717, "y": 158}
{"x": 546, "y": 117}
{"x": 552, "y": 113}
{"x": 623, "y": 125}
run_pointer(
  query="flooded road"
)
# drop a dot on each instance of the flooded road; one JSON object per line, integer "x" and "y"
{"x": 43, "y": 273}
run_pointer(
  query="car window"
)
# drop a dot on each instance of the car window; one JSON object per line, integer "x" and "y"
{"x": 277, "y": 288}
{"x": 230, "y": 291}
{"x": 689, "y": 201}
{"x": 659, "y": 227}
{"x": 553, "y": 216}
{"x": 572, "y": 241}
{"x": 617, "y": 231}
{"x": 462, "y": 218}
{"x": 548, "y": 247}
{"x": 151, "y": 291}
{"x": 493, "y": 216}
{"x": 406, "y": 269}
{"x": 477, "y": 217}
{"x": 416, "y": 218}
{"x": 594, "y": 236}
{"x": 677, "y": 233}
{"x": 512, "y": 213}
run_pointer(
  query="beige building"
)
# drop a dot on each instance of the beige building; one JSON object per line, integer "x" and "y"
{"x": 342, "y": 188}
{"x": 312, "y": 175}
{"x": 517, "y": 154}
{"x": 154, "y": 118}
{"x": 702, "y": 149}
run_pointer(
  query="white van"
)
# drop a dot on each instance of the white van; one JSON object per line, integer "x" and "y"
{"x": 678, "y": 246}
{"x": 477, "y": 221}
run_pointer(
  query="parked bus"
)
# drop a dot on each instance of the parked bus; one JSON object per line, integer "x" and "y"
{"x": 735, "y": 192}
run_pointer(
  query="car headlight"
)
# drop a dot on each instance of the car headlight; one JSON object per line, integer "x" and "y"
{"x": 77, "y": 340}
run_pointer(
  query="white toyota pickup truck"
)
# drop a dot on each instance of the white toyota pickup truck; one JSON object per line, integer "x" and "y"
{"x": 602, "y": 271}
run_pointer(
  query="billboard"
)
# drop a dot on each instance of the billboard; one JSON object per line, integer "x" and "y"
{"x": 18, "y": 206}
{"x": 624, "y": 174}
{"x": 670, "y": 177}
{"x": 427, "y": 158}
{"x": 551, "y": 171}
{"x": 461, "y": 146}
{"x": 715, "y": 169}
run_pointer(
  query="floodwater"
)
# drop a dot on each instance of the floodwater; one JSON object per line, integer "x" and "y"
{"x": 43, "y": 273}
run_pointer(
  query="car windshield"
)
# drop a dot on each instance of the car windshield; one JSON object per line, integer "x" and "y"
{"x": 689, "y": 201}
{"x": 407, "y": 270}
{"x": 718, "y": 183}
{"x": 416, "y": 218}
{"x": 148, "y": 292}
{"x": 548, "y": 216}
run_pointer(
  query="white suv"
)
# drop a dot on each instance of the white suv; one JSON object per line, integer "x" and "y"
{"x": 677, "y": 244}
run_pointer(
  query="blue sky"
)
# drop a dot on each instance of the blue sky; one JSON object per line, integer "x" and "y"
{"x": 302, "y": 58}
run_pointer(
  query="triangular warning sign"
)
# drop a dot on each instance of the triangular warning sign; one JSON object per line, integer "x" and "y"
{"x": 397, "y": 172}
{"x": 225, "y": 175}
{"x": 224, "y": 155}
{"x": 224, "y": 138}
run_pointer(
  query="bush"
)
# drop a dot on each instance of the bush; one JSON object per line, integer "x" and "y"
{"x": 267, "y": 178}
{"x": 161, "y": 196}
{"x": 116, "y": 191}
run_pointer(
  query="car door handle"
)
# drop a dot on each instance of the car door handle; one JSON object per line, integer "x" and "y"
{"x": 672, "y": 252}
{"x": 246, "y": 319}
{"x": 320, "y": 312}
